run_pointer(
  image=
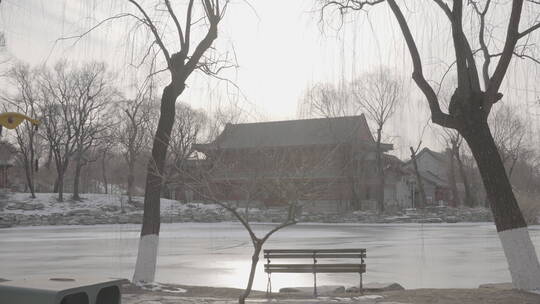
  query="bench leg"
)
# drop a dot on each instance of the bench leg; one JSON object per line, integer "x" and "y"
{"x": 315, "y": 284}
{"x": 361, "y": 285}
{"x": 269, "y": 286}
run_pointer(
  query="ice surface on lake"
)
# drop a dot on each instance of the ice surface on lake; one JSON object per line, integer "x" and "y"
{"x": 218, "y": 254}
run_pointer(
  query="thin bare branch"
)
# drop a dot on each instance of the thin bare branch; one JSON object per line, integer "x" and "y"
{"x": 529, "y": 30}
{"x": 507, "y": 53}
{"x": 154, "y": 30}
{"x": 176, "y": 22}
{"x": 437, "y": 115}
{"x": 277, "y": 228}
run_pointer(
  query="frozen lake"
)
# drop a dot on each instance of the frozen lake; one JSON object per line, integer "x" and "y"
{"x": 218, "y": 254}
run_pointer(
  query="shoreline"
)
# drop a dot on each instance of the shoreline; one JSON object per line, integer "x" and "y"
{"x": 489, "y": 293}
{"x": 18, "y": 210}
{"x": 29, "y": 227}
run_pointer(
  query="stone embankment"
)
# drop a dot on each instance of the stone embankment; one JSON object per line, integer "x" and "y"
{"x": 96, "y": 209}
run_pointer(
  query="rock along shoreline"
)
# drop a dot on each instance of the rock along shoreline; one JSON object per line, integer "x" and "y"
{"x": 20, "y": 210}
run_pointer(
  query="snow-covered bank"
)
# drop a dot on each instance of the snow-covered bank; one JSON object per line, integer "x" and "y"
{"x": 19, "y": 209}
{"x": 210, "y": 295}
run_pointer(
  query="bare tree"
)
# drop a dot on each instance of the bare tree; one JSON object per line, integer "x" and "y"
{"x": 105, "y": 150}
{"x": 452, "y": 178}
{"x": 134, "y": 132}
{"x": 326, "y": 100}
{"x": 26, "y": 101}
{"x": 73, "y": 104}
{"x": 93, "y": 93}
{"x": 453, "y": 141}
{"x": 57, "y": 90}
{"x": 180, "y": 64}
{"x": 377, "y": 95}
{"x": 419, "y": 181}
{"x": 217, "y": 120}
{"x": 260, "y": 176}
{"x": 454, "y": 144}
{"x": 478, "y": 89}
{"x": 508, "y": 132}
{"x": 374, "y": 94}
{"x": 186, "y": 132}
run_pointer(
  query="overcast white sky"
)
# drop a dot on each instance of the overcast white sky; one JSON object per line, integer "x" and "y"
{"x": 280, "y": 49}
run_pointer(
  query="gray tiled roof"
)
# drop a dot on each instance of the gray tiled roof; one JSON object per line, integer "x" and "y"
{"x": 318, "y": 131}
{"x": 440, "y": 156}
{"x": 433, "y": 178}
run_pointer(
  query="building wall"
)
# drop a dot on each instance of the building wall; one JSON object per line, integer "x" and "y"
{"x": 4, "y": 177}
{"x": 434, "y": 193}
{"x": 322, "y": 177}
{"x": 402, "y": 194}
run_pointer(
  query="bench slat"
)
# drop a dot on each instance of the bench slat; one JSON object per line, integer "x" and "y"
{"x": 311, "y": 265}
{"x": 325, "y": 270}
{"x": 347, "y": 250}
{"x": 310, "y": 256}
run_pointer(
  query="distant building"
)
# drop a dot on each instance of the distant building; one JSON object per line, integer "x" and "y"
{"x": 325, "y": 164}
{"x": 434, "y": 171}
{"x": 7, "y": 161}
{"x": 4, "y": 175}
{"x": 397, "y": 183}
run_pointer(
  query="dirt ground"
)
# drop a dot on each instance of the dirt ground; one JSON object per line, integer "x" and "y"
{"x": 462, "y": 296}
{"x": 168, "y": 294}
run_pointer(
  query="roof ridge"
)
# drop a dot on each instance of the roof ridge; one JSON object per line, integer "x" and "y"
{"x": 296, "y": 132}
{"x": 299, "y": 120}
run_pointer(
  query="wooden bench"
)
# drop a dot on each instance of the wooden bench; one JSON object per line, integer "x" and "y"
{"x": 314, "y": 267}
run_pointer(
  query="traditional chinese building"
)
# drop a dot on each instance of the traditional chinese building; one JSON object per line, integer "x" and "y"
{"x": 4, "y": 174}
{"x": 323, "y": 164}
{"x": 434, "y": 172}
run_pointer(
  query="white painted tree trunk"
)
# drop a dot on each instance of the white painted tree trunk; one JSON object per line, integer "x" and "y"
{"x": 522, "y": 259}
{"x": 145, "y": 268}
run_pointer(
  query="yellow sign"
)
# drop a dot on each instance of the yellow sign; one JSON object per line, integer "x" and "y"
{"x": 11, "y": 120}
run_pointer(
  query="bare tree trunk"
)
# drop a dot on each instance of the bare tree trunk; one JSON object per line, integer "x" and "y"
{"x": 61, "y": 179}
{"x": 180, "y": 66}
{"x": 145, "y": 267}
{"x": 511, "y": 226}
{"x": 55, "y": 185}
{"x": 254, "y": 260}
{"x": 60, "y": 186}
{"x": 130, "y": 181}
{"x": 49, "y": 159}
{"x": 511, "y": 169}
{"x": 104, "y": 173}
{"x": 86, "y": 180}
{"x": 31, "y": 169}
{"x": 29, "y": 178}
{"x": 452, "y": 179}
{"x": 380, "y": 173}
{"x": 76, "y": 179}
{"x": 419, "y": 182}
{"x": 469, "y": 199}
{"x": 28, "y": 163}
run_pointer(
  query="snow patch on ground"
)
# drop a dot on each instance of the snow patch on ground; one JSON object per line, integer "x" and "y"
{"x": 89, "y": 201}
{"x": 161, "y": 287}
